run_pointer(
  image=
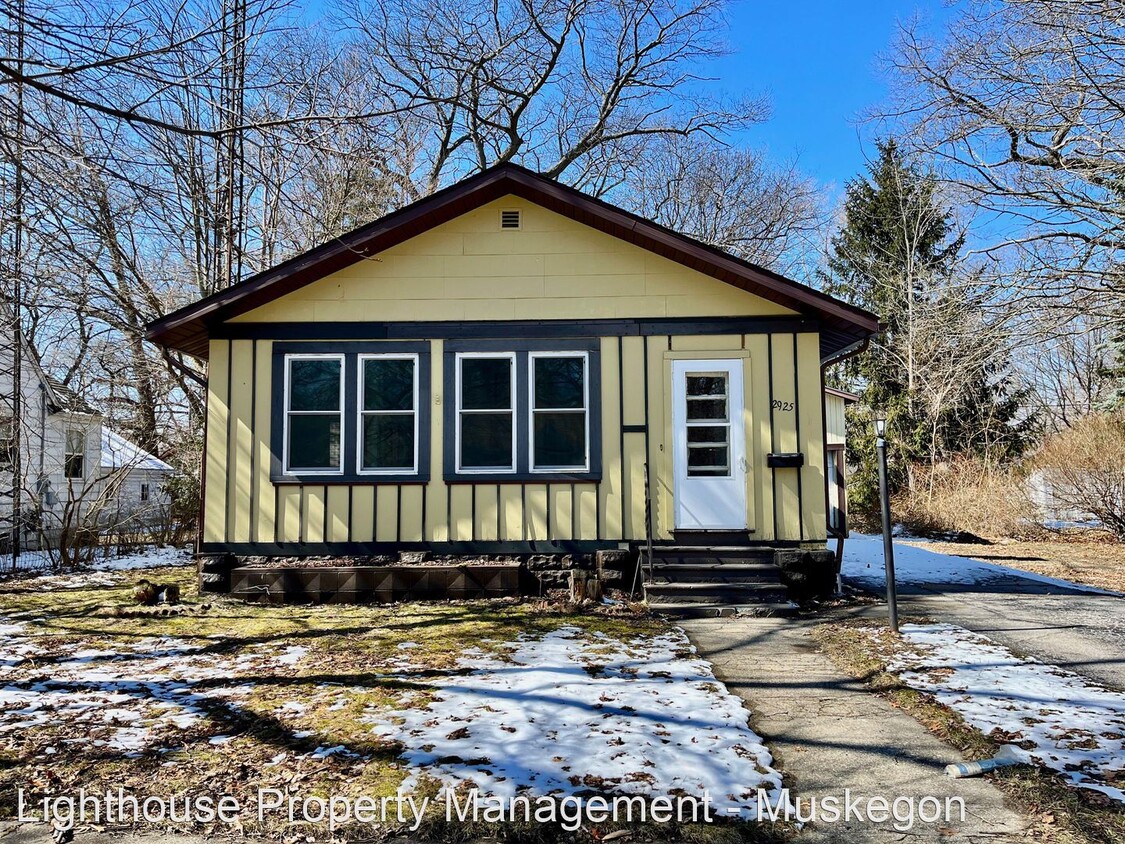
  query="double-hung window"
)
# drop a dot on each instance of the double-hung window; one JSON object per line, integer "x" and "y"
{"x": 560, "y": 414}
{"x": 388, "y": 410}
{"x": 74, "y": 458}
{"x": 486, "y": 413}
{"x": 522, "y": 410}
{"x": 314, "y": 413}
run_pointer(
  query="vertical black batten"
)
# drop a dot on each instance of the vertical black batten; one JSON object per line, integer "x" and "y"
{"x": 598, "y": 509}
{"x": 301, "y": 514}
{"x": 523, "y": 512}
{"x": 548, "y": 487}
{"x": 499, "y": 506}
{"x": 473, "y": 512}
{"x": 350, "y": 518}
{"x": 800, "y": 445}
{"x": 375, "y": 513}
{"x": 621, "y": 426}
{"x": 398, "y": 512}
{"x": 276, "y": 514}
{"x": 228, "y": 516}
{"x": 449, "y": 512}
{"x": 573, "y": 513}
{"x": 648, "y": 445}
{"x": 422, "y": 530}
{"x": 324, "y": 517}
{"x": 773, "y": 435}
{"x": 253, "y": 440}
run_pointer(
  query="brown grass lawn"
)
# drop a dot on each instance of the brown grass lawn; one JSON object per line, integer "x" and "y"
{"x": 266, "y": 719}
{"x": 1099, "y": 562}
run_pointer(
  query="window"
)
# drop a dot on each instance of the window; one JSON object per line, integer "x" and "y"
{"x": 7, "y": 444}
{"x": 559, "y": 416}
{"x": 350, "y": 412}
{"x": 388, "y": 408}
{"x": 144, "y": 492}
{"x": 522, "y": 410}
{"x": 708, "y": 425}
{"x": 74, "y": 457}
{"x": 314, "y": 413}
{"x": 486, "y": 406}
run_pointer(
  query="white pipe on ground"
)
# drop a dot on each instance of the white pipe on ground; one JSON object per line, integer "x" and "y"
{"x": 1008, "y": 755}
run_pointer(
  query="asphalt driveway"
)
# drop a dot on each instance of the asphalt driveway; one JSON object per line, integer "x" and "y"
{"x": 1080, "y": 631}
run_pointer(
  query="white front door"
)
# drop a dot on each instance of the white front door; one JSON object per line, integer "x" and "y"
{"x": 709, "y": 445}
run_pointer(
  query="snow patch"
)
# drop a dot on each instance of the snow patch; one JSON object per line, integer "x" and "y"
{"x": 1060, "y": 720}
{"x": 863, "y": 563}
{"x": 568, "y": 712}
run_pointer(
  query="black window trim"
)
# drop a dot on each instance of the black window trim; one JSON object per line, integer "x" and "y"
{"x": 521, "y": 348}
{"x": 351, "y": 351}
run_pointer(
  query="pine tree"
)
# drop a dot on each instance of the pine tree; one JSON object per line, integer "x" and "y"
{"x": 936, "y": 373}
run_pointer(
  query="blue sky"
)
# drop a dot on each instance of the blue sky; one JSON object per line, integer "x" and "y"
{"x": 817, "y": 61}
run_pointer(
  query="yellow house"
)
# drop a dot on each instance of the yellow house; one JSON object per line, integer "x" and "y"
{"x": 510, "y": 366}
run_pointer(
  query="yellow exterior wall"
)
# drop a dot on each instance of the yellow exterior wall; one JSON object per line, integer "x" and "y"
{"x": 834, "y": 419}
{"x": 242, "y": 505}
{"x": 553, "y": 268}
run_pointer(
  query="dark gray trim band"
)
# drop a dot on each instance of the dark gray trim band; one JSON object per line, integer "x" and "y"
{"x": 513, "y": 329}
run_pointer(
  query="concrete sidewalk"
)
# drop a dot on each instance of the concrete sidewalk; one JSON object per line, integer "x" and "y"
{"x": 829, "y": 733}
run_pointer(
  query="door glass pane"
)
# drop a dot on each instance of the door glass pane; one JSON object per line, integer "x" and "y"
{"x": 314, "y": 442}
{"x": 707, "y": 410}
{"x": 486, "y": 383}
{"x": 486, "y": 441}
{"x": 707, "y": 434}
{"x": 388, "y": 384}
{"x": 559, "y": 382}
{"x": 388, "y": 441}
{"x": 707, "y": 385}
{"x": 560, "y": 440}
{"x": 314, "y": 384}
{"x": 708, "y": 460}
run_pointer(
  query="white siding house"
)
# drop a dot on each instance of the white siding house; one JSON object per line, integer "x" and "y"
{"x": 75, "y": 472}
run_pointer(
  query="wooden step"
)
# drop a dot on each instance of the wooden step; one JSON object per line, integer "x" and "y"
{"x": 686, "y": 571}
{"x": 775, "y": 609}
{"x": 715, "y": 593}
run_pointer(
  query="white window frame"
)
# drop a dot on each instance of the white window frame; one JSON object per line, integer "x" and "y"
{"x": 459, "y": 413}
{"x": 68, "y": 453}
{"x": 361, "y": 413}
{"x": 289, "y": 358}
{"x": 532, "y": 409}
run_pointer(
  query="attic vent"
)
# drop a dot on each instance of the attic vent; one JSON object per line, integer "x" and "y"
{"x": 509, "y": 219}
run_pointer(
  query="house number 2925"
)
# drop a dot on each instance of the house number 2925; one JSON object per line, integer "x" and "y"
{"x": 782, "y": 405}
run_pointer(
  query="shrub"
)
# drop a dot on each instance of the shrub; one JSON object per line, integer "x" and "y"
{"x": 1086, "y": 468}
{"x": 966, "y": 495}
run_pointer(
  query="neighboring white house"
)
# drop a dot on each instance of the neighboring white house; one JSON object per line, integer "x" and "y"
{"x": 75, "y": 471}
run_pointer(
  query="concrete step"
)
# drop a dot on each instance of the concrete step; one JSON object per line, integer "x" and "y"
{"x": 773, "y": 609}
{"x": 715, "y": 593}
{"x": 706, "y": 571}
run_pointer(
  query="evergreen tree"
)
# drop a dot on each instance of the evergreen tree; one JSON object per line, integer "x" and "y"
{"x": 937, "y": 374}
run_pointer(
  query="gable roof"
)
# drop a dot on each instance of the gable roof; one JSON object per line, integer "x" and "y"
{"x": 187, "y": 329}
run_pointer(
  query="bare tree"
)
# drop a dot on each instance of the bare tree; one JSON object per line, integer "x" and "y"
{"x": 572, "y": 88}
{"x": 1023, "y": 103}
{"x": 730, "y": 198}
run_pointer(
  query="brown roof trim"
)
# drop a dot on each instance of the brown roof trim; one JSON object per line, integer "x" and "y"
{"x": 187, "y": 329}
{"x": 846, "y": 396}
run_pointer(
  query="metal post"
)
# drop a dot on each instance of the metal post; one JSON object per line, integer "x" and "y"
{"x": 888, "y": 545}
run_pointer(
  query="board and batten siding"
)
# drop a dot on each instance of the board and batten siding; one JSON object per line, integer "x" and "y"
{"x": 835, "y": 429}
{"x": 553, "y": 268}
